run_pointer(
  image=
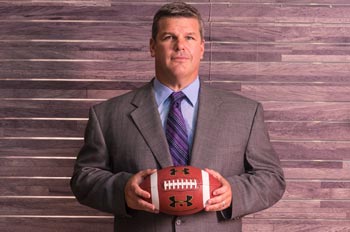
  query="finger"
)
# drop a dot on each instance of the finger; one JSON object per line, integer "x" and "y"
{"x": 215, "y": 174}
{"x": 224, "y": 189}
{"x": 146, "y": 206}
{"x": 218, "y": 206}
{"x": 224, "y": 184}
{"x": 139, "y": 192}
{"x": 140, "y": 204}
{"x": 222, "y": 195}
{"x": 217, "y": 200}
{"x": 139, "y": 177}
{"x": 135, "y": 195}
{"x": 219, "y": 203}
{"x": 147, "y": 172}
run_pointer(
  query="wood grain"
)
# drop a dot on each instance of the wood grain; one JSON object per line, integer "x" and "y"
{"x": 317, "y": 173}
{"x": 42, "y": 128}
{"x": 116, "y": 11}
{"x": 280, "y": 72}
{"x": 99, "y": 50}
{"x": 29, "y": 167}
{"x": 316, "y": 190}
{"x": 280, "y": 225}
{"x": 82, "y": 50}
{"x": 61, "y": 30}
{"x": 307, "y": 111}
{"x": 281, "y": 11}
{"x": 309, "y": 131}
{"x": 27, "y": 186}
{"x": 61, "y": 72}
{"x": 280, "y": 32}
{"x": 40, "y": 147}
{"x": 278, "y": 52}
{"x": 58, "y": 224}
{"x": 313, "y": 150}
{"x": 71, "y": 85}
{"x": 93, "y": 3}
{"x": 77, "y": 30}
{"x": 308, "y": 92}
{"x": 45, "y": 108}
{"x": 46, "y": 207}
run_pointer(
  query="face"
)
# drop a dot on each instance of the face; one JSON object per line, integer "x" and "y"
{"x": 177, "y": 50}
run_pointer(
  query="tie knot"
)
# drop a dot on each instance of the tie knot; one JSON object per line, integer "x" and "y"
{"x": 177, "y": 97}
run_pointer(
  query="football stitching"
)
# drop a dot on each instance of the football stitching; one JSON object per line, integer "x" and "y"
{"x": 180, "y": 184}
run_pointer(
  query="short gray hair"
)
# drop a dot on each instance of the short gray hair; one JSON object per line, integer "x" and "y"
{"x": 177, "y": 9}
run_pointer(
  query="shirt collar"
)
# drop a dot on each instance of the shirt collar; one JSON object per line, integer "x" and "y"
{"x": 162, "y": 92}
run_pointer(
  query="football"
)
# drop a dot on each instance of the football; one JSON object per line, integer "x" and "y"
{"x": 180, "y": 190}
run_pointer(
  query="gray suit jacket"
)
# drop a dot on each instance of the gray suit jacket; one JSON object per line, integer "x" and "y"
{"x": 124, "y": 135}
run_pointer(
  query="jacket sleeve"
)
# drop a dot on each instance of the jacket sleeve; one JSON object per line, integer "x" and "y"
{"x": 93, "y": 182}
{"x": 262, "y": 184}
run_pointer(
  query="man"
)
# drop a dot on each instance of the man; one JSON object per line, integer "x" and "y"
{"x": 127, "y": 138}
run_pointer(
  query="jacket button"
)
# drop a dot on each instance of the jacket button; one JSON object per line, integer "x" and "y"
{"x": 178, "y": 222}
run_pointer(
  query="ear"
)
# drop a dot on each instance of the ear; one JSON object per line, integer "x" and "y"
{"x": 152, "y": 45}
{"x": 202, "y": 48}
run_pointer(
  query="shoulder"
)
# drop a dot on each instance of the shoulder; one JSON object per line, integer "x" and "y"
{"x": 229, "y": 97}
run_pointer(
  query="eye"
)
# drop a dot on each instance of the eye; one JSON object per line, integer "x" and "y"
{"x": 190, "y": 38}
{"x": 168, "y": 37}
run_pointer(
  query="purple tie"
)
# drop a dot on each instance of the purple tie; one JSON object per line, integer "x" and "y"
{"x": 176, "y": 132}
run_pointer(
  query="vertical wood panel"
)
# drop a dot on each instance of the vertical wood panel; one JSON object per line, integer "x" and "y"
{"x": 57, "y": 58}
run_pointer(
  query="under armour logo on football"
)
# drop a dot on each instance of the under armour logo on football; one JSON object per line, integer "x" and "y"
{"x": 173, "y": 171}
{"x": 180, "y": 202}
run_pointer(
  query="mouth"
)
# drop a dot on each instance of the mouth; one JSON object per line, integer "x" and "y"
{"x": 180, "y": 58}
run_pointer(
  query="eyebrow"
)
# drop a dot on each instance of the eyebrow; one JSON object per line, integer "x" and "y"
{"x": 171, "y": 33}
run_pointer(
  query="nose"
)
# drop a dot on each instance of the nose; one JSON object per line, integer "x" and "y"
{"x": 180, "y": 44}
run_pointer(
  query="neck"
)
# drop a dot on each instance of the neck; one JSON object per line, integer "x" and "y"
{"x": 176, "y": 84}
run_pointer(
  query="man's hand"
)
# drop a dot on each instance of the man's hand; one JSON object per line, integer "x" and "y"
{"x": 134, "y": 195}
{"x": 222, "y": 196}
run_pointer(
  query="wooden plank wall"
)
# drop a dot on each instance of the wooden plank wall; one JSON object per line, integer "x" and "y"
{"x": 59, "y": 57}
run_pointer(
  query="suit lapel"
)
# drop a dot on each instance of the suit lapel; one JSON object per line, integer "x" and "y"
{"x": 146, "y": 118}
{"x": 209, "y": 105}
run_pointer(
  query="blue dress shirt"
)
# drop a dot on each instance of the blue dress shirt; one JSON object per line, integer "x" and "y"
{"x": 189, "y": 106}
